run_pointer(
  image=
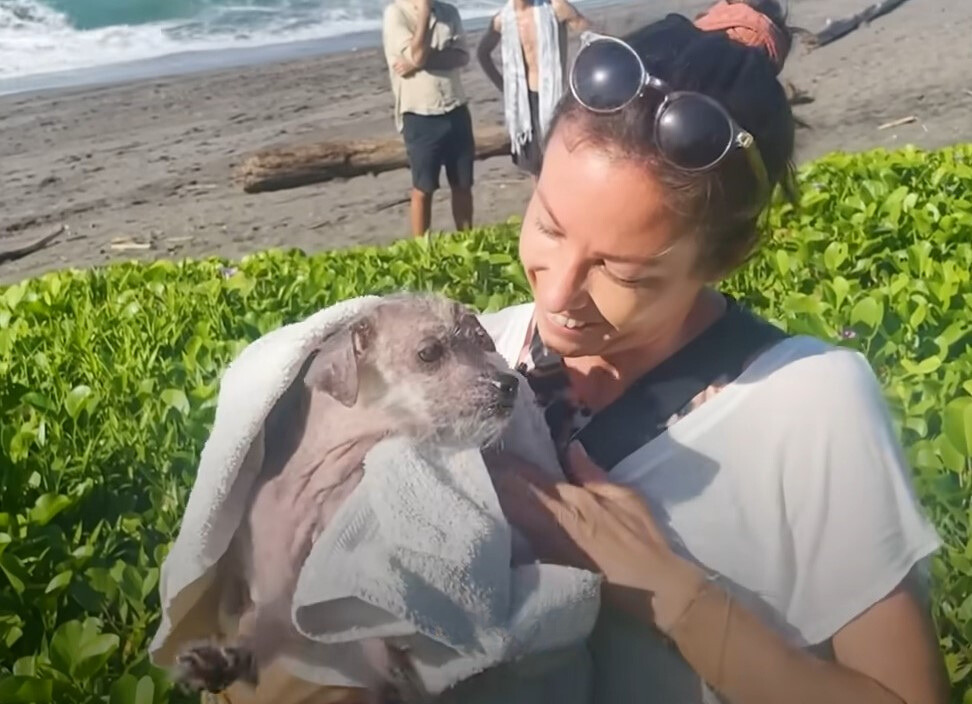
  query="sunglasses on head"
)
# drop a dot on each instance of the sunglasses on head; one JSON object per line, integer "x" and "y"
{"x": 692, "y": 131}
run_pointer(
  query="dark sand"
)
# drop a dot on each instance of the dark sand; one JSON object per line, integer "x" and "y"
{"x": 152, "y": 162}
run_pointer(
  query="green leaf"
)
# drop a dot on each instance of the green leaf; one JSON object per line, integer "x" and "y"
{"x": 124, "y": 690}
{"x": 958, "y": 424}
{"x": 59, "y": 582}
{"x": 47, "y": 507}
{"x": 25, "y": 690}
{"x": 15, "y": 571}
{"x": 39, "y": 400}
{"x": 841, "y": 288}
{"x": 75, "y": 401}
{"x": 80, "y": 649}
{"x": 922, "y": 368}
{"x": 835, "y": 255}
{"x": 868, "y": 311}
{"x": 145, "y": 691}
{"x": 176, "y": 399}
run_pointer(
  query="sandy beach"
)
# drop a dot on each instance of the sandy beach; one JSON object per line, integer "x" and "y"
{"x": 152, "y": 162}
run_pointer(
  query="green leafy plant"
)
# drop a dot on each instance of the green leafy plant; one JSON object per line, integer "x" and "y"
{"x": 110, "y": 379}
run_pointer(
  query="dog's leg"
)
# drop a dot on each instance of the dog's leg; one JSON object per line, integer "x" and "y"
{"x": 213, "y": 667}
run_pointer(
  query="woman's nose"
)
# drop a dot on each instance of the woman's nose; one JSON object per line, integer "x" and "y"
{"x": 565, "y": 286}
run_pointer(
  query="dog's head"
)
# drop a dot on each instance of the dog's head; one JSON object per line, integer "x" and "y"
{"x": 426, "y": 363}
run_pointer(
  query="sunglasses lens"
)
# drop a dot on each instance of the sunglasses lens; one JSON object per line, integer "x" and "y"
{"x": 692, "y": 132}
{"x": 606, "y": 75}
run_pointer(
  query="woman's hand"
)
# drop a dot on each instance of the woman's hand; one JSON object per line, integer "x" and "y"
{"x": 601, "y": 526}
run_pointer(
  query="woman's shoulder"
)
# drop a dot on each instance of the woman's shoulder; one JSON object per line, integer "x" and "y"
{"x": 802, "y": 368}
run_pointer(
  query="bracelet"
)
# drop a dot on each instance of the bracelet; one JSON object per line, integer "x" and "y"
{"x": 707, "y": 584}
{"x": 725, "y": 640}
{"x": 710, "y": 580}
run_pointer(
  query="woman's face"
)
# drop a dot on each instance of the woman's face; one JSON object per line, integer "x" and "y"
{"x": 609, "y": 269}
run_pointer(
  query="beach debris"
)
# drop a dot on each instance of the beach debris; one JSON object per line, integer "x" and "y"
{"x": 795, "y": 95}
{"x": 277, "y": 168}
{"x": 10, "y": 254}
{"x": 835, "y": 29}
{"x": 392, "y": 203}
{"x": 898, "y": 122}
{"x": 126, "y": 243}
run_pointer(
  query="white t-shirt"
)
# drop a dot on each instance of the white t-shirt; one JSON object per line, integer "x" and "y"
{"x": 790, "y": 483}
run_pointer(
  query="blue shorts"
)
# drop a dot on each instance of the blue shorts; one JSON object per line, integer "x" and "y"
{"x": 436, "y": 141}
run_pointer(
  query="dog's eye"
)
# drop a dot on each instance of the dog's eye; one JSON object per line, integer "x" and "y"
{"x": 431, "y": 352}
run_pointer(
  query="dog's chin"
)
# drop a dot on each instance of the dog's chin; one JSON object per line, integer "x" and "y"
{"x": 477, "y": 430}
{"x": 494, "y": 424}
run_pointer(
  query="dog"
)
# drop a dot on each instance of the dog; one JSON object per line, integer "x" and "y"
{"x": 418, "y": 365}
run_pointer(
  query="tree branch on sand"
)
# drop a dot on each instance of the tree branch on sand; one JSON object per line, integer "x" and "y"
{"x": 10, "y": 254}
{"x": 283, "y": 167}
{"x": 835, "y": 29}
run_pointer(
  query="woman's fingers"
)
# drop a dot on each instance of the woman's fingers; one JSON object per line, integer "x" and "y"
{"x": 586, "y": 473}
{"x": 547, "y": 521}
{"x": 622, "y": 502}
{"x": 581, "y": 468}
{"x": 520, "y": 498}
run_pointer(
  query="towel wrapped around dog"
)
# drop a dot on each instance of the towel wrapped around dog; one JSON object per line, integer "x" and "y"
{"x": 419, "y": 550}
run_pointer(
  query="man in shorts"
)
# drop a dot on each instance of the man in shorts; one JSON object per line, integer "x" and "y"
{"x": 426, "y": 50}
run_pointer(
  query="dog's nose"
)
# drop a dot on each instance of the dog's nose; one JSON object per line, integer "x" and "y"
{"x": 507, "y": 384}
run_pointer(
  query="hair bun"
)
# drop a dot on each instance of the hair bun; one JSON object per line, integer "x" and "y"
{"x": 745, "y": 24}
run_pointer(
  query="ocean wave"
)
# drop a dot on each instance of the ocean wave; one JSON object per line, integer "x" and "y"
{"x": 42, "y": 37}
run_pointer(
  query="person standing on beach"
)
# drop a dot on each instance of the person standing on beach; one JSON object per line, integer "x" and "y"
{"x": 534, "y": 58}
{"x": 425, "y": 48}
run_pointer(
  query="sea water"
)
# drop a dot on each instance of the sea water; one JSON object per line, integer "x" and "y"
{"x": 46, "y": 43}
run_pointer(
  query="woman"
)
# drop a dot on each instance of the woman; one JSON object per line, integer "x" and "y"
{"x": 765, "y": 545}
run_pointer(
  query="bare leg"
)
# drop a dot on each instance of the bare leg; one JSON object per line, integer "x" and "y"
{"x": 421, "y": 212}
{"x": 462, "y": 208}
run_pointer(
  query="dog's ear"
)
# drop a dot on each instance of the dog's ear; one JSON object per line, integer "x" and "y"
{"x": 335, "y": 365}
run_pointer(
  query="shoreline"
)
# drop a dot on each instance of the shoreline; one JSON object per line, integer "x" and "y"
{"x": 144, "y": 169}
{"x": 186, "y": 63}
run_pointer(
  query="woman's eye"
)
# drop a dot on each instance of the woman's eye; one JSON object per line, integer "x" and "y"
{"x": 546, "y": 229}
{"x": 431, "y": 352}
{"x": 629, "y": 278}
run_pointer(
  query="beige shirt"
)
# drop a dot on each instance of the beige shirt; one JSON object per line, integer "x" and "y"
{"x": 425, "y": 92}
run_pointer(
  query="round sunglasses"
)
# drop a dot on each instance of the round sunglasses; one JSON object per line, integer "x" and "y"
{"x": 693, "y": 132}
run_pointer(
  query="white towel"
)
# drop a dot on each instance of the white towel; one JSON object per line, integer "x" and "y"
{"x": 516, "y": 105}
{"x": 420, "y": 548}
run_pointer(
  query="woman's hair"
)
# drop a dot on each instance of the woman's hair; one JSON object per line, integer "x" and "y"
{"x": 718, "y": 206}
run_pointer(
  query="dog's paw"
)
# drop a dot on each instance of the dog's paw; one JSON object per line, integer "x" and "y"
{"x": 213, "y": 668}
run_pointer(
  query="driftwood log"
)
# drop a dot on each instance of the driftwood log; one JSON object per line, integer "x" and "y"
{"x": 278, "y": 168}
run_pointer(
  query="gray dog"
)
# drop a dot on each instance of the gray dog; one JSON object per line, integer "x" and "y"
{"x": 416, "y": 365}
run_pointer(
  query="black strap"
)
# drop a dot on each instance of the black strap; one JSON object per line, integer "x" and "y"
{"x": 642, "y": 412}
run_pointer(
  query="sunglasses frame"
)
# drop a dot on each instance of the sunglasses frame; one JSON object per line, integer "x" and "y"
{"x": 740, "y": 138}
